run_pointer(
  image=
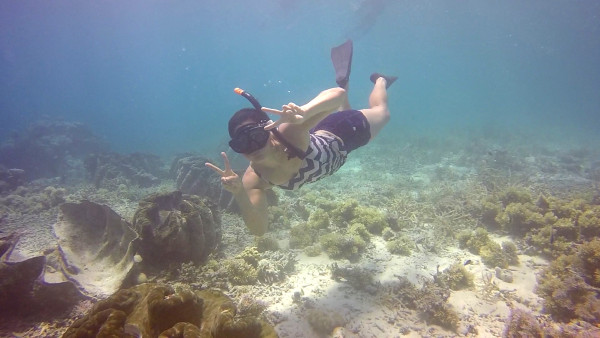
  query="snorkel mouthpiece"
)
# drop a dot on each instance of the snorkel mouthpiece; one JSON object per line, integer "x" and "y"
{"x": 248, "y": 97}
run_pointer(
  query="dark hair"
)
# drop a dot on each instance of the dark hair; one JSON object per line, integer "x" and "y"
{"x": 245, "y": 115}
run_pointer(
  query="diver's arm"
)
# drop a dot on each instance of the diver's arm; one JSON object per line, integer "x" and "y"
{"x": 252, "y": 202}
{"x": 307, "y": 116}
{"x": 249, "y": 194}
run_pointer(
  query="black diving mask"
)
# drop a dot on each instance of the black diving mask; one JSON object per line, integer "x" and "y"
{"x": 250, "y": 138}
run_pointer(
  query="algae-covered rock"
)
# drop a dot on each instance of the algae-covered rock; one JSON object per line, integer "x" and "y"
{"x": 26, "y": 287}
{"x": 156, "y": 310}
{"x": 177, "y": 228}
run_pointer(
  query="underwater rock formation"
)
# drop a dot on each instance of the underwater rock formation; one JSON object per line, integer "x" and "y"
{"x": 49, "y": 148}
{"x": 27, "y": 287}
{"x": 176, "y": 228}
{"x": 10, "y": 179}
{"x": 32, "y": 199}
{"x": 108, "y": 170}
{"x": 194, "y": 178}
{"x": 96, "y": 246}
{"x": 156, "y": 310}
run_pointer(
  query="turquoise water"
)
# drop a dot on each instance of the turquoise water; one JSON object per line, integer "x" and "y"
{"x": 157, "y": 76}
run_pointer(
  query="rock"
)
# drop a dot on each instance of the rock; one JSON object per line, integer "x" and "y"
{"x": 504, "y": 275}
{"x": 24, "y": 288}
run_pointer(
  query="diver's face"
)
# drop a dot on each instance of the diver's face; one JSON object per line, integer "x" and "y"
{"x": 249, "y": 138}
{"x": 261, "y": 153}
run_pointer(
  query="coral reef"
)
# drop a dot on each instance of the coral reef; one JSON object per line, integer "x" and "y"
{"x": 49, "y": 149}
{"x": 456, "y": 277}
{"x": 10, "y": 179}
{"x": 430, "y": 301}
{"x": 312, "y": 250}
{"x": 152, "y": 310}
{"x": 176, "y": 228}
{"x": 275, "y": 265}
{"x": 343, "y": 245}
{"x": 109, "y": 170}
{"x": 324, "y": 322}
{"x": 565, "y": 289}
{"x": 302, "y": 236}
{"x": 246, "y": 268}
{"x": 349, "y": 211}
{"x": 194, "y": 178}
{"x": 521, "y": 323}
{"x": 32, "y": 198}
{"x": 266, "y": 243}
{"x": 239, "y": 272}
{"x": 359, "y": 278}
{"x": 400, "y": 245}
{"x": 433, "y": 306}
{"x": 473, "y": 240}
{"x": 492, "y": 254}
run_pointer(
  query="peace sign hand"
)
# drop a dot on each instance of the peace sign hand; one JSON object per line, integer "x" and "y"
{"x": 229, "y": 179}
{"x": 289, "y": 113}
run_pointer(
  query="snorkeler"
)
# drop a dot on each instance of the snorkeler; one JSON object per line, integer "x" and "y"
{"x": 305, "y": 144}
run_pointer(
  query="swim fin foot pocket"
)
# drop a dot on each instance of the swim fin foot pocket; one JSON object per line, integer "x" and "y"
{"x": 341, "y": 56}
{"x": 388, "y": 79}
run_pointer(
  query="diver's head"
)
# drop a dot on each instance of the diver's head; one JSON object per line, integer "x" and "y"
{"x": 247, "y": 130}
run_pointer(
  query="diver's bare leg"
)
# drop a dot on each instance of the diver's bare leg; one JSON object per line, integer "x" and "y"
{"x": 345, "y": 104}
{"x": 378, "y": 114}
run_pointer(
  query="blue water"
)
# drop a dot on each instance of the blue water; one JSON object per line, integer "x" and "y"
{"x": 157, "y": 76}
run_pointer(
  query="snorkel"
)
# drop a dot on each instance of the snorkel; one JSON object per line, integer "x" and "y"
{"x": 293, "y": 151}
{"x": 248, "y": 97}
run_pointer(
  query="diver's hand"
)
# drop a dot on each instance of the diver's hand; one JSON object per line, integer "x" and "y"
{"x": 289, "y": 113}
{"x": 230, "y": 180}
